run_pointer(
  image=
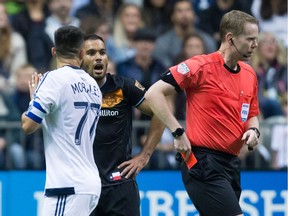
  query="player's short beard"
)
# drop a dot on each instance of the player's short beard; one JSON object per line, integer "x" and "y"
{"x": 100, "y": 76}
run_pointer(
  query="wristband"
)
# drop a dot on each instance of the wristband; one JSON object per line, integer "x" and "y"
{"x": 256, "y": 130}
{"x": 178, "y": 132}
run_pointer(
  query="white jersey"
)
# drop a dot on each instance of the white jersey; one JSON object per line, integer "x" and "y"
{"x": 68, "y": 100}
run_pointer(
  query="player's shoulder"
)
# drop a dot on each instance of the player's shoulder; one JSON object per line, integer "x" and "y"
{"x": 67, "y": 72}
{"x": 68, "y": 75}
{"x": 120, "y": 80}
{"x": 194, "y": 64}
{"x": 58, "y": 72}
{"x": 201, "y": 60}
{"x": 126, "y": 83}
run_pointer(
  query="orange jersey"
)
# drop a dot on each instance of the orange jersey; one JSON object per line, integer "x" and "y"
{"x": 219, "y": 101}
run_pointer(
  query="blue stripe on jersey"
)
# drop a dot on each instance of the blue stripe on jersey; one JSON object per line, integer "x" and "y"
{"x": 56, "y": 209}
{"x": 34, "y": 117}
{"x": 64, "y": 204}
{"x": 38, "y": 106}
{"x": 142, "y": 99}
{"x": 60, "y": 206}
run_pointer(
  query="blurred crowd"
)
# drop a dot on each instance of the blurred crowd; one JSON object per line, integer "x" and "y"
{"x": 143, "y": 38}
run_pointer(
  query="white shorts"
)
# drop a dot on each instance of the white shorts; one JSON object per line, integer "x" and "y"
{"x": 69, "y": 205}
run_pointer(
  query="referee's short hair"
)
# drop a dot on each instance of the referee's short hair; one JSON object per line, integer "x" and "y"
{"x": 68, "y": 41}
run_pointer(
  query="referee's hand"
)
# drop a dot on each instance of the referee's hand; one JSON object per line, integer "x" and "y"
{"x": 250, "y": 139}
{"x": 182, "y": 145}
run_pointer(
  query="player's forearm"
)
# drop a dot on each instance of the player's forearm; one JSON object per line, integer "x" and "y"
{"x": 28, "y": 125}
{"x": 252, "y": 122}
{"x": 157, "y": 100}
{"x": 154, "y": 135}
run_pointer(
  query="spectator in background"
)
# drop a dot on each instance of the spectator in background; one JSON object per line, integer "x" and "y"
{"x": 12, "y": 52}
{"x": 143, "y": 66}
{"x": 2, "y": 153}
{"x": 272, "y": 16}
{"x": 30, "y": 23}
{"x": 60, "y": 16}
{"x": 279, "y": 141}
{"x": 33, "y": 143}
{"x": 102, "y": 9}
{"x": 193, "y": 44}
{"x": 156, "y": 15}
{"x": 111, "y": 68}
{"x": 92, "y": 24}
{"x": 11, "y": 152}
{"x": 21, "y": 93}
{"x": 78, "y": 4}
{"x": 168, "y": 45}
{"x": 200, "y": 5}
{"x": 269, "y": 62}
{"x": 13, "y": 7}
{"x": 128, "y": 20}
{"x": 209, "y": 19}
{"x": 137, "y": 2}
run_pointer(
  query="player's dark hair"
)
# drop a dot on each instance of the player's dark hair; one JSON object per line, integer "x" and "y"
{"x": 68, "y": 41}
{"x": 93, "y": 37}
{"x": 234, "y": 21}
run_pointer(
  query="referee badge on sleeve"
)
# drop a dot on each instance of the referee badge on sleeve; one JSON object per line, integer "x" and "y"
{"x": 182, "y": 68}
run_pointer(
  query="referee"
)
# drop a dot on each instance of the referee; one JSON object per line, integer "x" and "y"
{"x": 221, "y": 115}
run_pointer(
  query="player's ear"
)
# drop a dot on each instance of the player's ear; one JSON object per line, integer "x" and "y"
{"x": 53, "y": 52}
{"x": 228, "y": 37}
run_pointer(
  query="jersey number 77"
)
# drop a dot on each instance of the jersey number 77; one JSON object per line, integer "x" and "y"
{"x": 87, "y": 107}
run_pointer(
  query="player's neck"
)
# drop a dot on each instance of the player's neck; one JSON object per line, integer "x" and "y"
{"x": 101, "y": 82}
{"x": 228, "y": 57}
{"x": 60, "y": 62}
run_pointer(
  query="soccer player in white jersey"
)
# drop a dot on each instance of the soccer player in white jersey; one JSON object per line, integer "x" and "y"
{"x": 66, "y": 103}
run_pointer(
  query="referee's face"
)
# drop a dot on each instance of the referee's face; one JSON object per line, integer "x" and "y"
{"x": 95, "y": 59}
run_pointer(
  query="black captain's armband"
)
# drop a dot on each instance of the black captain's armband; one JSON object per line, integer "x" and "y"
{"x": 168, "y": 78}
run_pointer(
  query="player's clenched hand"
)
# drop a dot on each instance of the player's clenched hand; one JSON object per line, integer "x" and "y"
{"x": 133, "y": 166}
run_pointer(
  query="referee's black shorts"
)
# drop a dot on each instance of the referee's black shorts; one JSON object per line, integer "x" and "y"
{"x": 119, "y": 200}
{"x": 213, "y": 184}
